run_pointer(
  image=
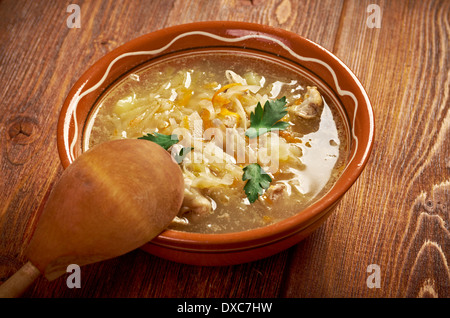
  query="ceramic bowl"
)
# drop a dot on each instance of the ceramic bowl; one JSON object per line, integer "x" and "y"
{"x": 312, "y": 60}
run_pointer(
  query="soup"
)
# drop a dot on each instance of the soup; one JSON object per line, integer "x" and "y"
{"x": 256, "y": 141}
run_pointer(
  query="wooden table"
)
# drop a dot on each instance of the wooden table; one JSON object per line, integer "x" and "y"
{"x": 396, "y": 216}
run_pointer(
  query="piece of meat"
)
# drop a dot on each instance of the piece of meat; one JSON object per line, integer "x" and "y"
{"x": 180, "y": 221}
{"x": 276, "y": 191}
{"x": 310, "y": 107}
{"x": 195, "y": 202}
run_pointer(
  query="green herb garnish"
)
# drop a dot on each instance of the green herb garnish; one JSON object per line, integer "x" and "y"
{"x": 165, "y": 141}
{"x": 183, "y": 153}
{"x": 257, "y": 181}
{"x": 267, "y": 119}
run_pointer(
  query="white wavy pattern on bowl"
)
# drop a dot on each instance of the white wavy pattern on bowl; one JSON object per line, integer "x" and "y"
{"x": 71, "y": 113}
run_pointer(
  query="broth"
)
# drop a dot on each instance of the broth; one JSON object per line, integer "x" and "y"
{"x": 207, "y": 101}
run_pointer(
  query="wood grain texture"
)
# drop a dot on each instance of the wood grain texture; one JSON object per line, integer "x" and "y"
{"x": 396, "y": 215}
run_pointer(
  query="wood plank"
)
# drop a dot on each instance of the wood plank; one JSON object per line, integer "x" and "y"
{"x": 138, "y": 274}
{"x": 315, "y": 20}
{"x": 396, "y": 215}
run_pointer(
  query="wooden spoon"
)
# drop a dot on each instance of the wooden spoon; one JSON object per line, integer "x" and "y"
{"x": 111, "y": 200}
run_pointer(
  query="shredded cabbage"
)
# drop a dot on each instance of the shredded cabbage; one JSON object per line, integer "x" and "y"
{"x": 173, "y": 108}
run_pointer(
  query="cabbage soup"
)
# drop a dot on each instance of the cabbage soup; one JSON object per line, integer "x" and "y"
{"x": 257, "y": 141}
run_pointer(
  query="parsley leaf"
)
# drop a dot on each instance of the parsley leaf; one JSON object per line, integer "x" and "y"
{"x": 267, "y": 119}
{"x": 258, "y": 181}
{"x": 165, "y": 141}
{"x": 183, "y": 153}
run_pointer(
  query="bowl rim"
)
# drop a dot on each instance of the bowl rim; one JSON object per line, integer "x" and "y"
{"x": 263, "y": 235}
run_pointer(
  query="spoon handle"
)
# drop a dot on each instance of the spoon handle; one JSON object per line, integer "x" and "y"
{"x": 18, "y": 283}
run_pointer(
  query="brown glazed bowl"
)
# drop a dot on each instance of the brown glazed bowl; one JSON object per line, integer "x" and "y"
{"x": 313, "y": 61}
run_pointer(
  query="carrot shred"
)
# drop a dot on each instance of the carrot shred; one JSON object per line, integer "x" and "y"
{"x": 205, "y": 115}
{"x": 298, "y": 101}
{"x": 220, "y": 101}
{"x": 222, "y": 89}
{"x": 185, "y": 122}
{"x": 288, "y": 137}
{"x": 184, "y": 100}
